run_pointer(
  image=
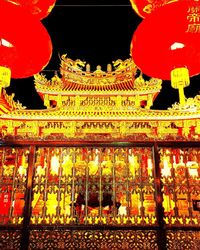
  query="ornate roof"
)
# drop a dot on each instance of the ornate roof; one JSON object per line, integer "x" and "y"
{"x": 98, "y": 106}
{"x": 76, "y": 80}
{"x": 97, "y": 112}
{"x": 7, "y": 103}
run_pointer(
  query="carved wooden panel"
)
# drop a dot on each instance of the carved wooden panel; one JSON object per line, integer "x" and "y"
{"x": 10, "y": 240}
{"x": 93, "y": 239}
{"x": 179, "y": 240}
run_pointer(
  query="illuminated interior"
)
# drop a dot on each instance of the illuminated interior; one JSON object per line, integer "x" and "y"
{"x": 13, "y": 172}
{"x": 99, "y": 185}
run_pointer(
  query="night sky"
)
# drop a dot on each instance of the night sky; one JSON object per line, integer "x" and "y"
{"x": 95, "y": 31}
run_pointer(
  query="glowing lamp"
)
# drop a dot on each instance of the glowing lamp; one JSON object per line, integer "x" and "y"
{"x": 54, "y": 165}
{"x": 39, "y": 8}
{"x": 166, "y": 44}
{"x": 5, "y": 75}
{"x": 25, "y": 45}
{"x": 145, "y": 7}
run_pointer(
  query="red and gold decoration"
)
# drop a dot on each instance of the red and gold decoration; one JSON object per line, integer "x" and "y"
{"x": 145, "y": 7}
{"x": 168, "y": 48}
{"x": 98, "y": 168}
{"x": 99, "y": 105}
{"x": 91, "y": 162}
{"x": 38, "y": 8}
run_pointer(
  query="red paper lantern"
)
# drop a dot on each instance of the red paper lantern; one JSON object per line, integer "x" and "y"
{"x": 168, "y": 38}
{"x": 39, "y": 8}
{"x": 25, "y": 45}
{"x": 145, "y": 7}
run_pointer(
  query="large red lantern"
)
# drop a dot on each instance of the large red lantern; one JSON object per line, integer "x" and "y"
{"x": 145, "y": 7}
{"x": 25, "y": 45}
{"x": 167, "y": 40}
{"x": 39, "y": 8}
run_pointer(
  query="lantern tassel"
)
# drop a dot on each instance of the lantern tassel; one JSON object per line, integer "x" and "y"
{"x": 5, "y": 76}
{"x": 179, "y": 80}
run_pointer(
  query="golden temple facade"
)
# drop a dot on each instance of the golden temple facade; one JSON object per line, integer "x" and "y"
{"x": 98, "y": 168}
{"x": 99, "y": 106}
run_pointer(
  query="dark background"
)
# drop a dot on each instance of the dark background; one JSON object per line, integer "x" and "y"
{"x": 95, "y": 31}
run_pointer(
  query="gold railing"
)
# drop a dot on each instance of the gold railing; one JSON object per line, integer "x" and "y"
{"x": 116, "y": 195}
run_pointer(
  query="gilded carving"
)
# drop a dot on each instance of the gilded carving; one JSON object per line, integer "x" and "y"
{"x": 68, "y": 63}
{"x": 113, "y": 104}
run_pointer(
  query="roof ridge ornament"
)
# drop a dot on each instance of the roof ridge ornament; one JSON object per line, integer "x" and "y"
{"x": 68, "y": 63}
